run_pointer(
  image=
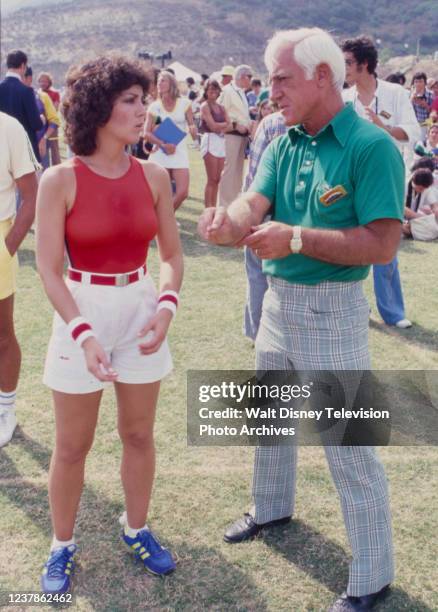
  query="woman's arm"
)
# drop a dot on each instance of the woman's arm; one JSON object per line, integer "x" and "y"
{"x": 214, "y": 126}
{"x": 55, "y": 193}
{"x": 410, "y": 214}
{"x": 148, "y": 130}
{"x": 52, "y": 203}
{"x": 170, "y": 251}
{"x": 148, "y": 134}
{"x": 190, "y": 122}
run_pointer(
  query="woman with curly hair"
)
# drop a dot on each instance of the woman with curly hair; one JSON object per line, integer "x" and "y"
{"x": 174, "y": 158}
{"x": 110, "y": 326}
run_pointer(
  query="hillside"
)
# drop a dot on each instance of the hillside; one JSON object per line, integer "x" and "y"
{"x": 203, "y": 34}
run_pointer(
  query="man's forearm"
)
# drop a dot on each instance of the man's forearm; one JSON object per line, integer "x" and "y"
{"x": 357, "y": 246}
{"x": 23, "y": 222}
{"x": 243, "y": 217}
{"x": 27, "y": 186}
{"x": 397, "y": 133}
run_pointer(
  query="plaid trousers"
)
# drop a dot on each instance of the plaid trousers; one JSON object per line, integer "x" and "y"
{"x": 325, "y": 327}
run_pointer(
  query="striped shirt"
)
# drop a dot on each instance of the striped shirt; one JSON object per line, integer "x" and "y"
{"x": 269, "y": 128}
{"x": 420, "y": 112}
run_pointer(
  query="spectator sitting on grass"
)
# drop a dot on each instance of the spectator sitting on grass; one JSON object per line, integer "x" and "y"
{"x": 421, "y": 198}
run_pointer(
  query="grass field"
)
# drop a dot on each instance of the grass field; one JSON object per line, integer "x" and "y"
{"x": 199, "y": 491}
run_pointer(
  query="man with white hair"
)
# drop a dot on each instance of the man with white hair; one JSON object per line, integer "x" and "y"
{"x": 234, "y": 100}
{"x": 334, "y": 185}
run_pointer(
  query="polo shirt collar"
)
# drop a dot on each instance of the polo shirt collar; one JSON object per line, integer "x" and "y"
{"x": 340, "y": 125}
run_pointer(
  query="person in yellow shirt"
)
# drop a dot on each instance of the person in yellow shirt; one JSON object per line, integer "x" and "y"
{"x": 49, "y": 117}
{"x": 53, "y": 123}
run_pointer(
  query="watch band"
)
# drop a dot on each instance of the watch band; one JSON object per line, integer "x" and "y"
{"x": 296, "y": 244}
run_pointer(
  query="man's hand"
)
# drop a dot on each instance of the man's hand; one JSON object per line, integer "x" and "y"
{"x": 374, "y": 118}
{"x": 215, "y": 226}
{"x": 242, "y": 129}
{"x": 42, "y": 147}
{"x": 419, "y": 101}
{"x": 270, "y": 240}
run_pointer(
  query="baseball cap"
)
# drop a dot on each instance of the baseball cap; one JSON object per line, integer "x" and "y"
{"x": 263, "y": 96}
{"x": 227, "y": 71}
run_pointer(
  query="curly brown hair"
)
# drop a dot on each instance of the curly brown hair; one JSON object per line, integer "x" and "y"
{"x": 91, "y": 90}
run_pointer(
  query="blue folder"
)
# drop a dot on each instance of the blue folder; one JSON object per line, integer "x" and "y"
{"x": 169, "y": 132}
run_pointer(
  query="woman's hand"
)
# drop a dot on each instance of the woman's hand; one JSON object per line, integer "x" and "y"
{"x": 157, "y": 330}
{"x": 97, "y": 361}
{"x": 168, "y": 148}
{"x": 193, "y": 131}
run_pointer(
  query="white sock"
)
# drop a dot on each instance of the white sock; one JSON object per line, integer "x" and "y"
{"x": 127, "y": 530}
{"x": 7, "y": 400}
{"x": 131, "y": 533}
{"x": 60, "y": 543}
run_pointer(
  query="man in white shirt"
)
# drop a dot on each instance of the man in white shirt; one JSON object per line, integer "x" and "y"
{"x": 234, "y": 100}
{"x": 388, "y": 106}
{"x": 18, "y": 167}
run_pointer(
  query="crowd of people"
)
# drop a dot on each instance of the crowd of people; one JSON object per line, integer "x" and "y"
{"x": 326, "y": 195}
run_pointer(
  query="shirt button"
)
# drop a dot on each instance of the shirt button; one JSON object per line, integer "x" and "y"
{"x": 313, "y": 143}
{"x": 301, "y": 183}
{"x": 308, "y": 162}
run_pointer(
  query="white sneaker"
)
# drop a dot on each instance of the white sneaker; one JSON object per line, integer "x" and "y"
{"x": 403, "y": 324}
{"x": 8, "y": 423}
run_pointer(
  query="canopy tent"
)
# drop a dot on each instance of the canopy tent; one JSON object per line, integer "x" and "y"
{"x": 182, "y": 72}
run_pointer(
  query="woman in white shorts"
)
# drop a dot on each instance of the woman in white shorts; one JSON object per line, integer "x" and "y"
{"x": 174, "y": 158}
{"x": 110, "y": 326}
{"x": 214, "y": 123}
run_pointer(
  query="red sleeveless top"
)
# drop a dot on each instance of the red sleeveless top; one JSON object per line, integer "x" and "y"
{"x": 112, "y": 221}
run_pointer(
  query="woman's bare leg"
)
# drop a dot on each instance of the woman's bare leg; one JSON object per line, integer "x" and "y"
{"x": 213, "y": 166}
{"x": 76, "y": 418}
{"x": 181, "y": 176}
{"x": 137, "y": 404}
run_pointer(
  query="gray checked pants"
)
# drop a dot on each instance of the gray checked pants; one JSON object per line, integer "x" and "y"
{"x": 325, "y": 327}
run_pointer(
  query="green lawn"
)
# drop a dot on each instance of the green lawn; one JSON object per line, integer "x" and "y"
{"x": 199, "y": 491}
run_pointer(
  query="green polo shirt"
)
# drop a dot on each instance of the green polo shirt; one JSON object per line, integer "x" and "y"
{"x": 349, "y": 174}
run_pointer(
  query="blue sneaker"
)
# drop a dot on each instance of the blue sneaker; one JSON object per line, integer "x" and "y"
{"x": 57, "y": 571}
{"x": 146, "y": 547}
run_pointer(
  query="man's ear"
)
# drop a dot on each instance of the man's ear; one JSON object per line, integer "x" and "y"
{"x": 323, "y": 75}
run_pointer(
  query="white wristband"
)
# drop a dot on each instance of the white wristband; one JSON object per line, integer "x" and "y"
{"x": 168, "y": 306}
{"x": 80, "y": 329}
{"x": 168, "y": 299}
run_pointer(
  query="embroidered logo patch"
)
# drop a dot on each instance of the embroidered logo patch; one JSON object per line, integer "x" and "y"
{"x": 385, "y": 114}
{"x": 333, "y": 195}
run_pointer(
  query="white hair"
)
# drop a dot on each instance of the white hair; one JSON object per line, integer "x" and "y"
{"x": 241, "y": 71}
{"x": 310, "y": 48}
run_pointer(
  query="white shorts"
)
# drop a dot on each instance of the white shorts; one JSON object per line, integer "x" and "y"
{"x": 116, "y": 314}
{"x": 212, "y": 143}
